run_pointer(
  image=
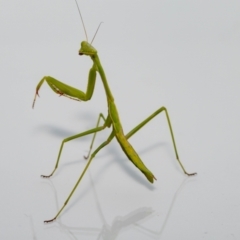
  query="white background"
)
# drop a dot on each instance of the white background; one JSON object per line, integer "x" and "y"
{"x": 184, "y": 55}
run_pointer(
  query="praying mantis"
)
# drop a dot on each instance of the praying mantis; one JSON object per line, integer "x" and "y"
{"x": 111, "y": 121}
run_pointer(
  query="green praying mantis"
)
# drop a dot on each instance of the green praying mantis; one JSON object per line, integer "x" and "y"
{"x": 111, "y": 121}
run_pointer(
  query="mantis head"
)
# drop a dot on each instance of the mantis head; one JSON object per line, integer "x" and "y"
{"x": 87, "y": 49}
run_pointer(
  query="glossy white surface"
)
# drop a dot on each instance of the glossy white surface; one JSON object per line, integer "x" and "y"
{"x": 183, "y": 55}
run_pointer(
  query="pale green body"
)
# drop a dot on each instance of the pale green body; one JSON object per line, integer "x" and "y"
{"x": 111, "y": 120}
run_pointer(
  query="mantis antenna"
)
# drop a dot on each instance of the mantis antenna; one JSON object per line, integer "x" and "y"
{"x": 82, "y": 20}
{"x": 96, "y": 32}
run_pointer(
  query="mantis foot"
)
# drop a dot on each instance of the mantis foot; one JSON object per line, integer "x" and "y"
{"x": 48, "y": 176}
{"x": 190, "y": 174}
{"x": 48, "y": 221}
{"x": 45, "y": 176}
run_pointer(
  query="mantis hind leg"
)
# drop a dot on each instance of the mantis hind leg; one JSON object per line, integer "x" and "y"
{"x": 111, "y": 136}
{"x": 143, "y": 123}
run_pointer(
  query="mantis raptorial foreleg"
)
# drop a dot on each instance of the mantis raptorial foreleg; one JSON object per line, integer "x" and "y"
{"x": 68, "y": 91}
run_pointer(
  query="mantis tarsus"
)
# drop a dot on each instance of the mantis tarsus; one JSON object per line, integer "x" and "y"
{"x": 112, "y": 119}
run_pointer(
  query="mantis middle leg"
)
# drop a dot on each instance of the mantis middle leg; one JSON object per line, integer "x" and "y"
{"x": 93, "y": 130}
